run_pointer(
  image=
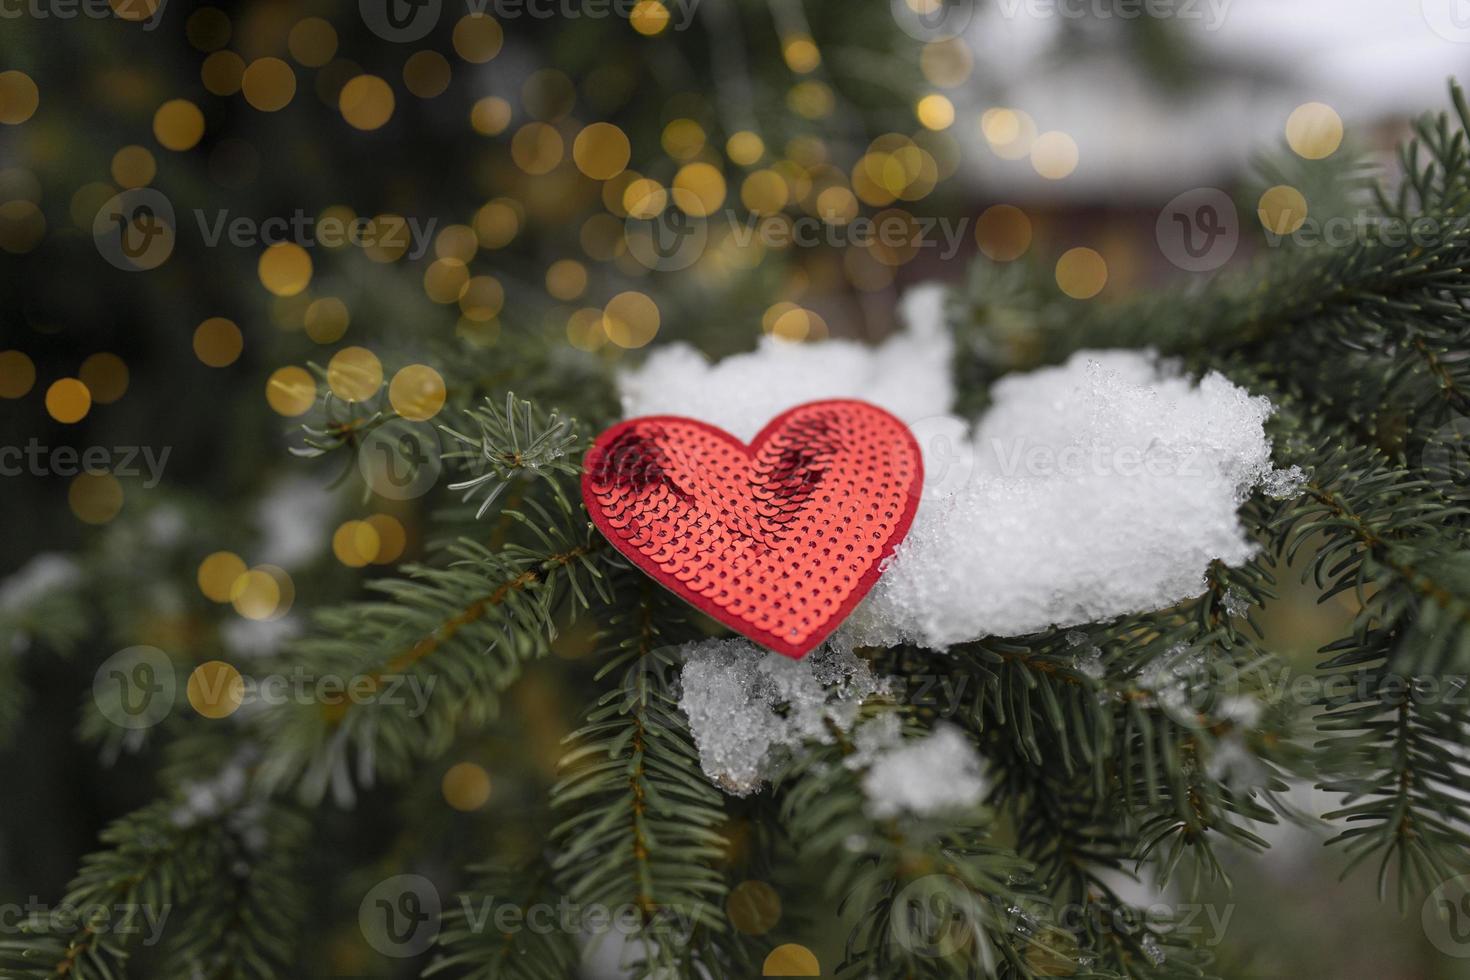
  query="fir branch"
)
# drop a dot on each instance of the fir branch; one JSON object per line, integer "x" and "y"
{"x": 435, "y": 653}
{"x": 643, "y": 823}
{"x": 475, "y": 948}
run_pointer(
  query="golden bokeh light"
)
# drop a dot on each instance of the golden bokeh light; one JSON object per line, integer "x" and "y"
{"x": 745, "y": 148}
{"x": 269, "y": 84}
{"x": 426, "y": 74}
{"x": 497, "y": 223}
{"x": 753, "y": 907}
{"x": 1003, "y": 233}
{"x": 19, "y": 97}
{"x": 489, "y": 116}
{"x": 417, "y": 392}
{"x": 601, "y": 151}
{"x": 68, "y": 400}
{"x": 326, "y": 320}
{"x": 537, "y": 148}
{"x": 218, "y": 342}
{"x": 631, "y": 319}
{"x": 106, "y": 377}
{"x": 703, "y": 186}
{"x": 178, "y": 125}
{"x": 285, "y": 269}
{"x": 1282, "y": 209}
{"x": 17, "y": 374}
{"x": 354, "y": 374}
{"x": 1054, "y": 155}
{"x": 466, "y": 786}
{"x": 290, "y": 391}
{"x": 763, "y": 192}
{"x": 811, "y": 99}
{"x": 482, "y": 299}
{"x": 223, "y": 73}
{"x": 649, "y": 17}
{"x": 1009, "y": 132}
{"x": 566, "y": 279}
{"x": 312, "y": 42}
{"x": 355, "y": 543}
{"x": 263, "y": 592}
{"x": 1081, "y": 273}
{"x": 1314, "y": 130}
{"x": 801, "y": 53}
{"x": 215, "y": 690}
{"x": 95, "y": 498}
{"x": 133, "y": 166}
{"x": 392, "y": 538}
{"x": 217, "y": 574}
{"x": 478, "y": 38}
{"x": 946, "y": 63}
{"x": 791, "y": 960}
{"x": 683, "y": 139}
{"x": 935, "y": 112}
{"x": 444, "y": 280}
{"x": 366, "y": 102}
{"x": 586, "y": 329}
{"x": 456, "y": 242}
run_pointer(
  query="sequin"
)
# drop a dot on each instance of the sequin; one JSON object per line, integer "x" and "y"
{"x": 778, "y": 540}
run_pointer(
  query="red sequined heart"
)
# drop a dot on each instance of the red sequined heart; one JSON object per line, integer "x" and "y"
{"x": 777, "y": 540}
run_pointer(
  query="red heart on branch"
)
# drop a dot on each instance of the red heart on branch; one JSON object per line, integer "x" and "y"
{"x": 778, "y": 540}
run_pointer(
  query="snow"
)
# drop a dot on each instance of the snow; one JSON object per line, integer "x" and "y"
{"x": 924, "y": 776}
{"x": 1095, "y": 489}
{"x": 908, "y": 375}
{"x": 748, "y": 707}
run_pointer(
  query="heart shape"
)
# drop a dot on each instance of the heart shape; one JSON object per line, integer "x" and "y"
{"x": 778, "y": 540}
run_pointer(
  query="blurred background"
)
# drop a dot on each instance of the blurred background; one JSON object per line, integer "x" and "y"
{"x": 210, "y": 214}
